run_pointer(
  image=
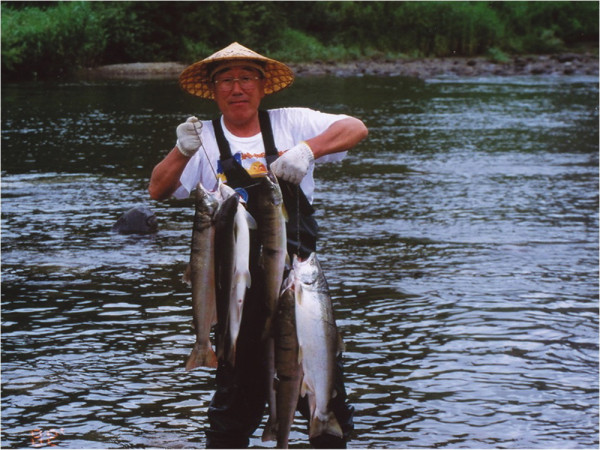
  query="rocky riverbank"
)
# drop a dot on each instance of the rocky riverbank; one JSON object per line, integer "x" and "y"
{"x": 564, "y": 64}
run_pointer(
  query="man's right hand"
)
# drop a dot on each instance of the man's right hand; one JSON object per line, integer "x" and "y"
{"x": 188, "y": 136}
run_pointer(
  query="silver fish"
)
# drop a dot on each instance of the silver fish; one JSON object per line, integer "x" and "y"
{"x": 233, "y": 224}
{"x": 224, "y": 261}
{"x": 319, "y": 344}
{"x": 202, "y": 277}
{"x": 241, "y": 280}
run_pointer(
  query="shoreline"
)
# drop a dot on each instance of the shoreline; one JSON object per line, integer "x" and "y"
{"x": 563, "y": 64}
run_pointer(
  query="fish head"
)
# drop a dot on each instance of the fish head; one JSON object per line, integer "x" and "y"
{"x": 306, "y": 271}
{"x": 207, "y": 202}
{"x": 271, "y": 186}
{"x": 288, "y": 283}
{"x": 225, "y": 191}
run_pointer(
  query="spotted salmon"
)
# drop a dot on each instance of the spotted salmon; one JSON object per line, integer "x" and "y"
{"x": 287, "y": 368}
{"x": 241, "y": 281}
{"x": 202, "y": 278}
{"x": 224, "y": 262}
{"x": 318, "y": 342}
{"x": 232, "y": 261}
{"x": 272, "y": 234}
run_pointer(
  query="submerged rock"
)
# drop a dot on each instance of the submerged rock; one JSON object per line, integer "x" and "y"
{"x": 138, "y": 220}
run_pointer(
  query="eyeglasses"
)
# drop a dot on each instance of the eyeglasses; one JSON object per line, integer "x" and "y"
{"x": 226, "y": 84}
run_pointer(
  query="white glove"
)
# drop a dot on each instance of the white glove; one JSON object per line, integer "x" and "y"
{"x": 188, "y": 136}
{"x": 293, "y": 165}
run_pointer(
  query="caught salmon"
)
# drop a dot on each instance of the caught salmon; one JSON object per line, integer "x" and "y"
{"x": 202, "y": 278}
{"x": 224, "y": 260}
{"x": 272, "y": 234}
{"x": 287, "y": 367}
{"x": 319, "y": 344}
{"x": 232, "y": 260}
{"x": 241, "y": 279}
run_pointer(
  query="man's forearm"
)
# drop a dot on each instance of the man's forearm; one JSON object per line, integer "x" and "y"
{"x": 341, "y": 135}
{"x": 165, "y": 176}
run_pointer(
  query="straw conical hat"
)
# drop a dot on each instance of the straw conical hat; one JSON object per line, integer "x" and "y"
{"x": 195, "y": 79}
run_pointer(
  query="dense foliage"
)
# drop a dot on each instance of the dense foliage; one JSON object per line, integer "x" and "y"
{"x": 54, "y": 38}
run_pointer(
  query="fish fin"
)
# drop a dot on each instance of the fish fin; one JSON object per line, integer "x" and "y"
{"x": 241, "y": 276}
{"x": 288, "y": 283}
{"x": 248, "y": 278}
{"x": 304, "y": 388}
{"x": 300, "y": 359}
{"x": 330, "y": 426}
{"x": 251, "y": 221}
{"x": 187, "y": 275}
{"x": 341, "y": 347}
{"x": 299, "y": 294}
{"x": 270, "y": 431}
{"x": 201, "y": 357}
{"x": 284, "y": 212}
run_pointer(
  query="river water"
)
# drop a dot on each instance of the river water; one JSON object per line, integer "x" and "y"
{"x": 460, "y": 241}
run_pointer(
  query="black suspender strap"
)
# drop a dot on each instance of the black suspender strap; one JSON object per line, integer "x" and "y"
{"x": 235, "y": 173}
{"x": 289, "y": 191}
{"x": 271, "y": 153}
{"x": 301, "y": 223}
{"x": 224, "y": 149}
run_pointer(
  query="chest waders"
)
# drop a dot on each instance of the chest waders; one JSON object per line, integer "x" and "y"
{"x": 238, "y": 406}
{"x": 301, "y": 227}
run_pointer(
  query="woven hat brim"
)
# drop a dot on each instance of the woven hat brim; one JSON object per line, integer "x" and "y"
{"x": 195, "y": 79}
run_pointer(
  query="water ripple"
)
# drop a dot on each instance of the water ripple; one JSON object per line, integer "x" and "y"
{"x": 460, "y": 244}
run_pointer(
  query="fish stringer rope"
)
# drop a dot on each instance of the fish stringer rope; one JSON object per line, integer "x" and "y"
{"x": 298, "y": 219}
{"x": 205, "y": 152}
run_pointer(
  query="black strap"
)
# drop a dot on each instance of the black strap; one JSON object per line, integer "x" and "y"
{"x": 224, "y": 149}
{"x": 235, "y": 173}
{"x": 237, "y": 176}
{"x": 301, "y": 221}
{"x": 271, "y": 153}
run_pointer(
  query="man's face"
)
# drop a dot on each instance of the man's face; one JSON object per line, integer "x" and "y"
{"x": 238, "y": 101}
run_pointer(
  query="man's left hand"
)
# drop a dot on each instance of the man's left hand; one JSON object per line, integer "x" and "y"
{"x": 293, "y": 165}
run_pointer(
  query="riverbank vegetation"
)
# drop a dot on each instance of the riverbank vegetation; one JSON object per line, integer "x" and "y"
{"x": 47, "y": 39}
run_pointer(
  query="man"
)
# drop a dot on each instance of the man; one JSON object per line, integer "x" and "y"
{"x": 238, "y": 148}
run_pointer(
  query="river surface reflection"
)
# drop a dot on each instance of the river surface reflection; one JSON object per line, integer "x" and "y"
{"x": 460, "y": 243}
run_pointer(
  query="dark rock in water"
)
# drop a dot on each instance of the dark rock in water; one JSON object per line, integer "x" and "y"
{"x": 138, "y": 220}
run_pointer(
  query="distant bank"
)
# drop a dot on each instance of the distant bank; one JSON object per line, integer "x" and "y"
{"x": 563, "y": 64}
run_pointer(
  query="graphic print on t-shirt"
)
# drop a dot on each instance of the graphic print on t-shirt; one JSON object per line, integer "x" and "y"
{"x": 254, "y": 163}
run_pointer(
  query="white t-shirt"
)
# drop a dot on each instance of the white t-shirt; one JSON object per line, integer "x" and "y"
{"x": 290, "y": 126}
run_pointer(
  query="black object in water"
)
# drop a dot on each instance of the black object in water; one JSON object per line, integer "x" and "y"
{"x": 138, "y": 220}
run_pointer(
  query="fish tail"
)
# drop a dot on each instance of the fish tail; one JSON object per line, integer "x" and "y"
{"x": 329, "y": 426}
{"x": 270, "y": 431}
{"x": 201, "y": 357}
{"x": 187, "y": 275}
